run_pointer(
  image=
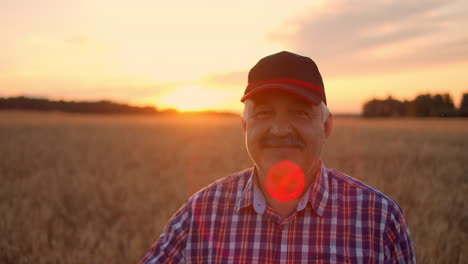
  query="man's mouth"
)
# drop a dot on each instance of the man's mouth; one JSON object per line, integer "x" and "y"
{"x": 287, "y": 143}
{"x": 280, "y": 147}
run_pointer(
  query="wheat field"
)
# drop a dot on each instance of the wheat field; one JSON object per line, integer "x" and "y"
{"x": 99, "y": 189}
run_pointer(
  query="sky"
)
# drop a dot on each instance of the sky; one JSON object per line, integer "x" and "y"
{"x": 195, "y": 55}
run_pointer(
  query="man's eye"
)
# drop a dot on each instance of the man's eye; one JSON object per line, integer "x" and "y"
{"x": 262, "y": 114}
{"x": 302, "y": 114}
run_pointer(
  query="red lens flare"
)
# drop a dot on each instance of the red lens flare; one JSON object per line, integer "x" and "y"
{"x": 285, "y": 181}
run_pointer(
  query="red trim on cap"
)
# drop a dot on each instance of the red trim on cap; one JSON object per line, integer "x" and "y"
{"x": 281, "y": 88}
{"x": 287, "y": 81}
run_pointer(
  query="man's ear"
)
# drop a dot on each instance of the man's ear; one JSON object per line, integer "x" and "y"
{"x": 244, "y": 125}
{"x": 328, "y": 126}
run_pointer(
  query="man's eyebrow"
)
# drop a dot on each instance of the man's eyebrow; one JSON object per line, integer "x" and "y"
{"x": 303, "y": 103}
{"x": 259, "y": 103}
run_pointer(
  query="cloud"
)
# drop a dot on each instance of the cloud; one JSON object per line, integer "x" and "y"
{"x": 365, "y": 36}
{"x": 77, "y": 40}
{"x": 226, "y": 79}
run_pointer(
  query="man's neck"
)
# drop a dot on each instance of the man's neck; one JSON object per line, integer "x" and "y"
{"x": 284, "y": 209}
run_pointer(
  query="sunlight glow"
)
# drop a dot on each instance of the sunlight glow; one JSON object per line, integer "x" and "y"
{"x": 192, "y": 98}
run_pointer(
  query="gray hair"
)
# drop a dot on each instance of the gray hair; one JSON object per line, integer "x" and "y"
{"x": 248, "y": 104}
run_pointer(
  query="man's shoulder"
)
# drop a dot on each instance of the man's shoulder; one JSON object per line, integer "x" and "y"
{"x": 373, "y": 205}
{"x": 225, "y": 190}
{"x": 341, "y": 181}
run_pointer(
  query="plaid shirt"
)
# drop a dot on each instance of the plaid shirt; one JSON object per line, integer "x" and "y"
{"x": 338, "y": 220}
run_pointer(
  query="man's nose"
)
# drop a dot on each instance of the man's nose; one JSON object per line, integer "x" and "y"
{"x": 280, "y": 126}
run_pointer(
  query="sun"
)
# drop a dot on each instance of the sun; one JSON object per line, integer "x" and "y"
{"x": 191, "y": 98}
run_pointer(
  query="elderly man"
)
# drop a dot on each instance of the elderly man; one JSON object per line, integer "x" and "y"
{"x": 288, "y": 208}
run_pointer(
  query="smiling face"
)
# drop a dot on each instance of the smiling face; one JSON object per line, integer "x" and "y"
{"x": 281, "y": 126}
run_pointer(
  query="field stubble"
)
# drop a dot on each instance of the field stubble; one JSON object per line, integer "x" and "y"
{"x": 95, "y": 189}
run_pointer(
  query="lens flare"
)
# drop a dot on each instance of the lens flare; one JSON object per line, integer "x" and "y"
{"x": 285, "y": 181}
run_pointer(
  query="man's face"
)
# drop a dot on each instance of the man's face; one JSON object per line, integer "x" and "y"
{"x": 280, "y": 126}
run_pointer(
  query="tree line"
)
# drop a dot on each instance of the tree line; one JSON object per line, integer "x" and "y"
{"x": 92, "y": 107}
{"x": 425, "y": 105}
{"x": 86, "y": 107}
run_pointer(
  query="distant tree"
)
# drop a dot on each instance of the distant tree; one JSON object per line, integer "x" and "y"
{"x": 425, "y": 105}
{"x": 422, "y": 105}
{"x": 99, "y": 107}
{"x": 383, "y": 108}
{"x": 464, "y": 106}
{"x": 442, "y": 105}
{"x": 369, "y": 108}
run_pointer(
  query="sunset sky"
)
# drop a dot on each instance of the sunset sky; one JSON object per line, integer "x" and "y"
{"x": 195, "y": 55}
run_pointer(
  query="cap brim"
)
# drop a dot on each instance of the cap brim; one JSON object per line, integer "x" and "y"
{"x": 297, "y": 90}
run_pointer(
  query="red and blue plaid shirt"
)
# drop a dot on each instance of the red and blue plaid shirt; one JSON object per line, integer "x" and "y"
{"x": 338, "y": 220}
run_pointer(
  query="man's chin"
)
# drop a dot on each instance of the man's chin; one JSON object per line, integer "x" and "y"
{"x": 267, "y": 164}
{"x": 280, "y": 149}
{"x": 275, "y": 155}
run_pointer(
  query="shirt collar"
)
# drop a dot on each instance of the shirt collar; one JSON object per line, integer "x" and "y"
{"x": 246, "y": 198}
{"x": 316, "y": 195}
{"x": 319, "y": 191}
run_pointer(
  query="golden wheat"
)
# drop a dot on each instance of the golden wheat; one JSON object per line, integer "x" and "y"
{"x": 99, "y": 189}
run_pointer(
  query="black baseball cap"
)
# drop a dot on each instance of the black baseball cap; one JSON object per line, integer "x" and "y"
{"x": 287, "y": 71}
